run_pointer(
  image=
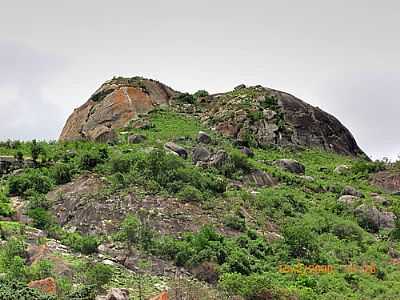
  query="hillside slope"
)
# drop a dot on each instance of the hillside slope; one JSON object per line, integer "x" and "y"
{"x": 173, "y": 203}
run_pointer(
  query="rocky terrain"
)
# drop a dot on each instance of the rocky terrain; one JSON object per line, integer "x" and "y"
{"x": 155, "y": 194}
{"x": 247, "y": 114}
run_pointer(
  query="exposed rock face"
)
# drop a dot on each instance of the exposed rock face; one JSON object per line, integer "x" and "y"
{"x": 388, "y": 180}
{"x": 313, "y": 127}
{"x": 249, "y": 115}
{"x": 9, "y": 164}
{"x": 113, "y": 105}
{"x": 81, "y": 206}
{"x": 263, "y": 116}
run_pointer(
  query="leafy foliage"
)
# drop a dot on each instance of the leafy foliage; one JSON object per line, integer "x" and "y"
{"x": 5, "y": 206}
{"x": 33, "y": 179}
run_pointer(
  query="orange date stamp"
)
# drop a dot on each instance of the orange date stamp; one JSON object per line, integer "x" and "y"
{"x": 320, "y": 269}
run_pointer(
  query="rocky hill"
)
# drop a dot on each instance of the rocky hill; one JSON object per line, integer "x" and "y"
{"x": 249, "y": 115}
{"x": 153, "y": 194}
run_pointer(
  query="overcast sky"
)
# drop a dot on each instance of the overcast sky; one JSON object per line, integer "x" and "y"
{"x": 343, "y": 56}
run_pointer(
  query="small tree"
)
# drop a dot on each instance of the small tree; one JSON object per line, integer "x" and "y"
{"x": 131, "y": 227}
{"x": 36, "y": 150}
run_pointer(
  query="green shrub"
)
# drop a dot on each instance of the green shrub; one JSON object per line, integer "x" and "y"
{"x": 88, "y": 244}
{"x": 12, "y": 259}
{"x": 120, "y": 164}
{"x": 86, "y": 292}
{"x": 91, "y": 158}
{"x": 200, "y": 94}
{"x": 41, "y": 269}
{"x": 348, "y": 230}
{"x": 301, "y": 241}
{"x": 235, "y": 222}
{"x": 165, "y": 171}
{"x": 161, "y": 167}
{"x": 14, "y": 247}
{"x": 238, "y": 261}
{"x": 19, "y": 155}
{"x": 62, "y": 173}
{"x": 185, "y": 98}
{"x": 42, "y": 218}
{"x": 281, "y": 201}
{"x": 130, "y": 229}
{"x": 33, "y": 179}
{"x": 5, "y": 205}
{"x": 17, "y": 290}
{"x": 255, "y": 116}
{"x": 135, "y": 231}
{"x": 240, "y": 161}
{"x": 99, "y": 274}
{"x": 190, "y": 194}
{"x": 237, "y": 165}
{"x": 36, "y": 150}
{"x": 85, "y": 244}
{"x": 253, "y": 287}
{"x": 364, "y": 167}
{"x": 37, "y": 200}
{"x": 269, "y": 102}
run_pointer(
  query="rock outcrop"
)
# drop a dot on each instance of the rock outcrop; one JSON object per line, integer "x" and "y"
{"x": 264, "y": 117}
{"x": 249, "y": 115}
{"x": 9, "y": 164}
{"x": 387, "y": 180}
{"x": 113, "y": 106}
{"x": 47, "y": 285}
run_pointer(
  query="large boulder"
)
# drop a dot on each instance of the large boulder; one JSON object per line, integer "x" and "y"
{"x": 201, "y": 153}
{"x": 349, "y": 190}
{"x": 176, "y": 149}
{"x": 203, "y": 137}
{"x": 291, "y": 165}
{"x": 47, "y": 285}
{"x": 115, "y": 294}
{"x": 136, "y": 139}
{"x": 373, "y": 219}
{"x": 113, "y": 106}
{"x": 380, "y": 200}
{"x": 348, "y": 200}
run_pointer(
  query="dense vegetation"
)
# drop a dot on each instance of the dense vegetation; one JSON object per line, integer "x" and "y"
{"x": 312, "y": 227}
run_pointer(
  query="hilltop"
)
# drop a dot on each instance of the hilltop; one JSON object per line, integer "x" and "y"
{"x": 249, "y": 115}
{"x": 250, "y": 194}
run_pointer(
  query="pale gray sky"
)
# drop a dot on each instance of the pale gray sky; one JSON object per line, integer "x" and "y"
{"x": 342, "y": 56}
